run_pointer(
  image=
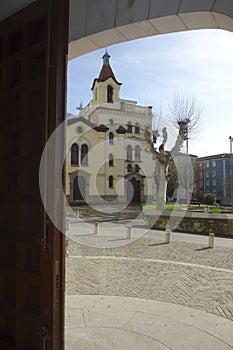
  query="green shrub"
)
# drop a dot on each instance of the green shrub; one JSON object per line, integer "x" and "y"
{"x": 209, "y": 199}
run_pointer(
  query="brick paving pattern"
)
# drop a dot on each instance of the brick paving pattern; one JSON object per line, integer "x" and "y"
{"x": 180, "y": 272}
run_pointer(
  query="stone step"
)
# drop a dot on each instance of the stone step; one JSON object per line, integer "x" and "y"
{"x": 103, "y": 213}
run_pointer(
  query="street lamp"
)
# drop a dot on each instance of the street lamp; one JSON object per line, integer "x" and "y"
{"x": 183, "y": 124}
{"x": 231, "y": 170}
{"x": 187, "y": 121}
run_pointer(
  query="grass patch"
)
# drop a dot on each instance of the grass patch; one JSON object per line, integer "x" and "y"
{"x": 149, "y": 207}
{"x": 168, "y": 207}
{"x": 176, "y": 207}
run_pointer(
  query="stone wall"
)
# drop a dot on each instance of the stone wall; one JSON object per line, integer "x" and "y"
{"x": 203, "y": 223}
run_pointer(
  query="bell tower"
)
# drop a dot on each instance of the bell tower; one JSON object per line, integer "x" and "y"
{"x": 106, "y": 89}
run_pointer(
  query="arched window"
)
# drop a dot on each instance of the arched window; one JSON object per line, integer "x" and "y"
{"x": 137, "y": 154}
{"x": 129, "y": 127}
{"x": 74, "y": 154}
{"x": 110, "y": 161}
{"x": 129, "y": 168}
{"x": 137, "y": 129}
{"x": 111, "y": 138}
{"x": 110, "y": 181}
{"x": 129, "y": 152}
{"x": 137, "y": 168}
{"x": 84, "y": 154}
{"x": 110, "y": 94}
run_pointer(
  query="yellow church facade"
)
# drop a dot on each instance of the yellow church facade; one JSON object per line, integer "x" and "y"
{"x": 108, "y": 158}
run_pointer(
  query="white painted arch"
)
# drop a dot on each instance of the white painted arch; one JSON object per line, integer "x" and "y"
{"x": 95, "y": 24}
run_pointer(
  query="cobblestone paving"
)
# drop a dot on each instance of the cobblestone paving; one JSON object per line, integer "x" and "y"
{"x": 180, "y": 273}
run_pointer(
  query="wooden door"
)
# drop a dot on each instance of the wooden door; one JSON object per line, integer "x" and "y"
{"x": 33, "y": 52}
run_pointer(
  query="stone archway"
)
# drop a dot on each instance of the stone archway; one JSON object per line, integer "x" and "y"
{"x": 120, "y": 21}
{"x": 79, "y": 186}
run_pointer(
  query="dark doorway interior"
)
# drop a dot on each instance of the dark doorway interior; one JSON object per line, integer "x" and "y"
{"x": 134, "y": 191}
{"x": 79, "y": 188}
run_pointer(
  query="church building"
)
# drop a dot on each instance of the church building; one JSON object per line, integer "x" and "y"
{"x": 108, "y": 158}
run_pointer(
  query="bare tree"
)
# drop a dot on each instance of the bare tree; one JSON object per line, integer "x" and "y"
{"x": 186, "y": 110}
{"x": 165, "y": 160}
{"x": 185, "y": 115}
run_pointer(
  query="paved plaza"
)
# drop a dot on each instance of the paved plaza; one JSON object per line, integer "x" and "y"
{"x": 139, "y": 293}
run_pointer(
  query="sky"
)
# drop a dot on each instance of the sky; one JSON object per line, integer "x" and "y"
{"x": 152, "y": 70}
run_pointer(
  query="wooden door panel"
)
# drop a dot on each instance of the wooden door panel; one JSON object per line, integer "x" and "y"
{"x": 33, "y": 51}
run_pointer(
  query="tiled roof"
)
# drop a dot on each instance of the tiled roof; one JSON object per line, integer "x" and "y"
{"x": 81, "y": 119}
{"x": 101, "y": 128}
{"x": 105, "y": 73}
{"x": 121, "y": 130}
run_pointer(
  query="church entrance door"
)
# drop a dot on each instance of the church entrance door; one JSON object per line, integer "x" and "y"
{"x": 134, "y": 191}
{"x": 79, "y": 188}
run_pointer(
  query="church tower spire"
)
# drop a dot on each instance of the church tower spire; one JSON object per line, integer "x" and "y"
{"x": 106, "y": 58}
{"x": 106, "y": 89}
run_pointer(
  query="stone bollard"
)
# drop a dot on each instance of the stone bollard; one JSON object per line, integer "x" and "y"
{"x": 129, "y": 232}
{"x": 211, "y": 239}
{"x": 77, "y": 214}
{"x": 167, "y": 235}
{"x": 96, "y": 228}
{"x": 67, "y": 224}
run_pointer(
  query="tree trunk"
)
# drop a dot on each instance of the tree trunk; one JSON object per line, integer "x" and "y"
{"x": 162, "y": 190}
